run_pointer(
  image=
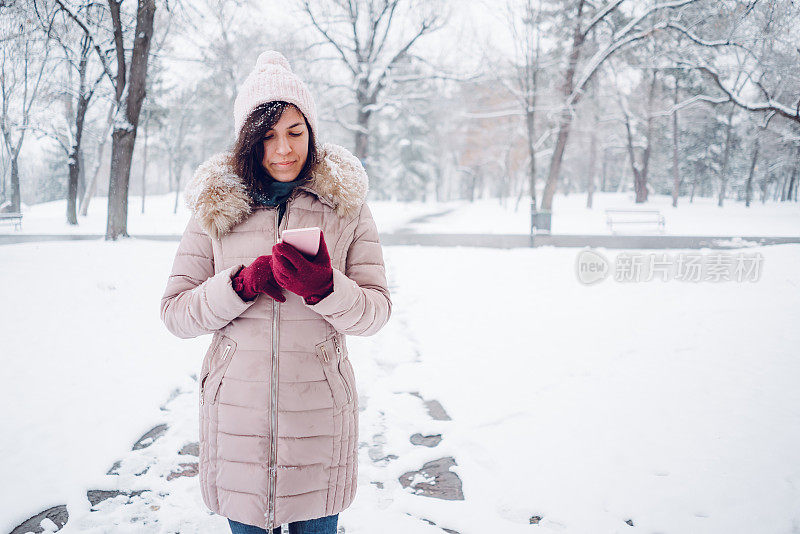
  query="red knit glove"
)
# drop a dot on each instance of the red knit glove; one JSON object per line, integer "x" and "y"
{"x": 312, "y": 279}
{"x": 257, "y": 278}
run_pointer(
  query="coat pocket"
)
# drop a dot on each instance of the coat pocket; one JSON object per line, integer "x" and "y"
{"x": 329, "y": 357}
{"x": 346, "y": 370}
{"x": 218, "y": 363}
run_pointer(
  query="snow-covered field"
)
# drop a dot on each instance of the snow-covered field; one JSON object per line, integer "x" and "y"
{"x": 670, "y": 404}
{"x": 570, "y": 216}
{"x": 158, "y": 218}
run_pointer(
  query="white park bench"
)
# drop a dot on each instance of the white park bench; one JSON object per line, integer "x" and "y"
{"x": 12, "y": 218}
{"x": 627, "y": 216}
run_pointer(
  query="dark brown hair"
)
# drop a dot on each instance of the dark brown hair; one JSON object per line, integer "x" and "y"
{"x": 248, "y": 151}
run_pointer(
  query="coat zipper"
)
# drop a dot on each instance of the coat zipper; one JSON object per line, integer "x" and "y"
{"x": 338, "y": 362}
{"x": 272, "y": 466}
{"x": 224, "y": 355}
{"x": 205, "y": 378}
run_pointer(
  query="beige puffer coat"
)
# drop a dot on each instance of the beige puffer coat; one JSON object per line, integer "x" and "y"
{"x": 278, "y": 400}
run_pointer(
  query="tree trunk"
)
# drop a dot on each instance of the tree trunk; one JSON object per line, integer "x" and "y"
{"x": 178, "y": 173}
{"x": 144, "y": 158}
{"x": 791, "y": 190}
{"x": 725, "y": 158}
{"x": 592, "y": 161}
{"x": 3, "y": 193}
{"x": 362, "y": 120}
{"x": 555, "y": 162}
{"x": 177, "y": 191}
{"x": 604, "y": 171}
{"x": 530, "y": 122}
{"x": 81, "y": 174}
{"x": 565, "y": 117}
{"x": 16, "y": 200}
{"x": 749, "y": 185}
{"x": 13, "y": 153}
{"x": 676, "y": 177}
{"x": 72, "y": 185}
{"x": 623, "y": 176}
{"x": 75, "y": 158}
{"x": 473, "y": 186}
{"x": 122, "y": 143}
{"x": 129, "y": 97}
{"x": 92, "y": 185}
{"x": 638, "y": 180}
{"x": 640, "y": 174}
{"x": 780, "y": 192}
{"x": 75, "y": 150}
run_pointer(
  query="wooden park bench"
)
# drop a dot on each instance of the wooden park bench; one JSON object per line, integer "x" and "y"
{"x": 628, "y": 216}
{"x": 12, "y": 218}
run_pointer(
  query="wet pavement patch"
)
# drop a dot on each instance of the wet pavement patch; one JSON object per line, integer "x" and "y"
{"x": 57, "y": 515}
{"x": 426, "y": 441}
{"x": 149, "y": 437}
{"x": 115, "y": 469}
{"x": 376, "y": 450}
{"x": 185, "y": 470}
{"x": 448, "y": 530}
{"x": 434, "y": 407}
{"x": 97, "y": 496}
{"x": 192, "y": 449}
{"x": 434, "y": 479}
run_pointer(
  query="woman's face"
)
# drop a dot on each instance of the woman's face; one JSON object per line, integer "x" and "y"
{"x": 286, "y": 143}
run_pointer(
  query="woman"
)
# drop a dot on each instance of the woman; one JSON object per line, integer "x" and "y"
{"x": 278, "y": 403}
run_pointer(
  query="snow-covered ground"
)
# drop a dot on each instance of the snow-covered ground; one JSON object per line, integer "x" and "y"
{"x": 570, "y": 216}
{"x": 672, "y": 405}
{"x": 158, "y": 218}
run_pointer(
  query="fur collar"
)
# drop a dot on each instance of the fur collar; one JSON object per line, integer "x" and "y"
{"x": 219, "y": 199}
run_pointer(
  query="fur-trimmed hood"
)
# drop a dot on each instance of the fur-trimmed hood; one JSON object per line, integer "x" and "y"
{"x": 219, "y": 199}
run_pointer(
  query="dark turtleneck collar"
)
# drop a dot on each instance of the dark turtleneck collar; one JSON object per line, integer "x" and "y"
{"x": 275, "y": 192}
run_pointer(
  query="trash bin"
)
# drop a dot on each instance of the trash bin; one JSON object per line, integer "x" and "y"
{"x": 541, "y": 222}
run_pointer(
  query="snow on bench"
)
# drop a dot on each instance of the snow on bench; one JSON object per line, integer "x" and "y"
{"x": 629, "y": 216}
{"x": 12, "y": 218}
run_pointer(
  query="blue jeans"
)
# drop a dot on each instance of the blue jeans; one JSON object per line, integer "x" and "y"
{"x": 323, "y": 525}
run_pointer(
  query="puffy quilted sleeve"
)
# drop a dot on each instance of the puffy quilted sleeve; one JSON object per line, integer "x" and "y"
{"x": 360, "y": 303}
{"x": 196, "y": 301}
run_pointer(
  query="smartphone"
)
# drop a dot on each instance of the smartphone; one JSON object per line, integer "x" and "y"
{"x": 306, "y": 240}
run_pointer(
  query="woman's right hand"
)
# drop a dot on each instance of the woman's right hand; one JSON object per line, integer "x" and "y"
{"x": 257, "y": 278}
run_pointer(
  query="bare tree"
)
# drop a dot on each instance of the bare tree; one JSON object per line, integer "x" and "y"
{"x": 363, "y": 35}
{"x": 753, "y": 161}
{"x": 676, "y": 172}
{"x": 637, "y": 24}
{"x": 640, "y": 169}
{"x": 23, "y": 61}
{"x": 91, "y": 187}
{"x": 755, "y": 62}
{"x": 726, "y": 155}
{"x": 525, "y": 24}
{"x": 129, "y": 84}
{"x": 77, "y": 48}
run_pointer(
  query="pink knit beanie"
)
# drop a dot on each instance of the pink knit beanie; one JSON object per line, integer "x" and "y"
{"x": 273, "y": 79}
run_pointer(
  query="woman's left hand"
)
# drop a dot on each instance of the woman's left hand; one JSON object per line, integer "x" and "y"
{"x": 311, "y": 279}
